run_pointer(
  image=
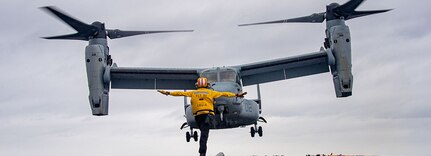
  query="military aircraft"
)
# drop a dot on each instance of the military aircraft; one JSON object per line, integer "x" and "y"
{"x": 104, "y": 75}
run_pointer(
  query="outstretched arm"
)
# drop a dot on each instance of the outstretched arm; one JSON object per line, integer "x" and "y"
{"x": 179, "y": 93}
{"x": 241, "y": 94}
{"x": 229, "y": 94}
{"x": 164, "y": 92}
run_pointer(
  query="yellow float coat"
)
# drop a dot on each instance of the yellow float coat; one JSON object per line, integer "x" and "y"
{"x": 203, "y": 99}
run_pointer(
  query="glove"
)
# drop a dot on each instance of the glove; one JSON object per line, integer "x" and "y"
{"x": 241, "y": 94}
{"x": 164, "y": 92}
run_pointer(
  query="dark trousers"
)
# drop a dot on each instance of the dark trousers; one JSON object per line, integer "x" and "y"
{"x": 203, "y": 122}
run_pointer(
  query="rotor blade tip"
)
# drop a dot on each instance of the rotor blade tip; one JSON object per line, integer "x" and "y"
{"x": 48, "y": 38}
{"x": 241, "y": 25}
{"x": 184, "y": 31}
{"x": 48, "y": 8}
{"x": 44, "y": 7}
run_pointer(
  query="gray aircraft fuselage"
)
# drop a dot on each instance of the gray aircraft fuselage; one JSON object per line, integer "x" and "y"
{"x": 231, "y": 112}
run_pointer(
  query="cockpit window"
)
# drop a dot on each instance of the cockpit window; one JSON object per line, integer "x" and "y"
{"x": 223, "y": 75}
{"x": 227, "y": 76}
{"x": 210, "y": 75}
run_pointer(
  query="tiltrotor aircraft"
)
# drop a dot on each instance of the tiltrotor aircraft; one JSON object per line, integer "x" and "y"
{"x": 103, "y": 75}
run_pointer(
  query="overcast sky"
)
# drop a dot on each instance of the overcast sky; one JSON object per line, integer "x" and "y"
{"x": 44, "y": 108}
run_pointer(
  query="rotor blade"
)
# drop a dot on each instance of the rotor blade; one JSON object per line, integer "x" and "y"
{"x": 314, "y": 18}
{"x": 76, "y": 36}
{"x": 113, "y": 34}
{"x": 74, "y": 23}
{"x": 350, "y": 6}
{"x": 365, "y": 13}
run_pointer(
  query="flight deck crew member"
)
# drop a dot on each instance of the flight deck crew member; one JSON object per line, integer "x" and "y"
{"x": 202, "y": 101}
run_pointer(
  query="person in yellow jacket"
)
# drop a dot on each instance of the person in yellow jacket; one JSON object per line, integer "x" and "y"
{"x": 202, "y": 101}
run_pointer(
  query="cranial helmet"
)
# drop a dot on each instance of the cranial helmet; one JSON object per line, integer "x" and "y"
{"x": 202, "y": 82}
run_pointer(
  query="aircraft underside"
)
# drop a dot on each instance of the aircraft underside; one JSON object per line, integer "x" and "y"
{"x": 227, "y": 116}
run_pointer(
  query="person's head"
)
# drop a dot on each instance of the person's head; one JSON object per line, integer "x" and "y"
{"x": 202, "y": 82}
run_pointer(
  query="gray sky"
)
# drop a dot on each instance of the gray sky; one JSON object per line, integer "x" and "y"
{"x": 44, "y": 107}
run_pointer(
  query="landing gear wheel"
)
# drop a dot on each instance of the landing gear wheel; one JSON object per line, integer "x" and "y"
{"x": 195, "y": 136}
{"x": 260, "y": 131}
{"x": 252, "y": 131}
{"x": 188, "y": 136}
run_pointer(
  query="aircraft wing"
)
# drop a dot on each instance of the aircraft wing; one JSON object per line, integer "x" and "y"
{"x": 153, "y": 78}
{"x": 285, "y": 68}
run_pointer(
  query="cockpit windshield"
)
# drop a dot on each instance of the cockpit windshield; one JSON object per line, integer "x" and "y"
{"x": 220, "y": 75}
{"x": 227, "y": 76}
{"x": 210, "y": 75}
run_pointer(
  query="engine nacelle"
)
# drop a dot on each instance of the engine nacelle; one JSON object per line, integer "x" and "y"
{"x": 341, "y": 49}
{"x": 99, "y": 91}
